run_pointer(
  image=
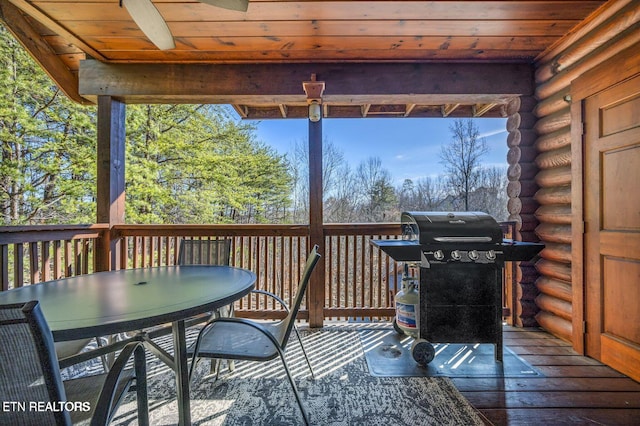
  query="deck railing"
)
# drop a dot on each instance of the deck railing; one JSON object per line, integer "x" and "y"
{"x": 31, "y": 254}
{"x": 360, "y": 280}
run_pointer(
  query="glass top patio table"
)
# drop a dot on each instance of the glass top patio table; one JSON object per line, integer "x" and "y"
{"x": 106, "y": 303}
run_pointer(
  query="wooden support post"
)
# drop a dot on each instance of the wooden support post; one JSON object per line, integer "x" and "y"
{"x": 314, "y": 90}
{"x": 316, "y": 229}
{"x": 110, "y": 176}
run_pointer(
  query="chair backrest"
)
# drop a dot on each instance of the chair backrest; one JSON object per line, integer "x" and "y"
{"x": 204, "y": 252}
{"x": 289, "y": 321}
{"x": 29, "y": 368}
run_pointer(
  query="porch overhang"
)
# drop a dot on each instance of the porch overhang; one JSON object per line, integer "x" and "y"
{"x": 352, "y": 90}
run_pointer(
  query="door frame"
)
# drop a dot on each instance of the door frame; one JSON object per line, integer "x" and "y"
{"x": 626, "y": 64}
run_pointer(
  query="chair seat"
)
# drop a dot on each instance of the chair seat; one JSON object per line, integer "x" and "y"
{"x": 235, "y": 340}
{"x": 87, "y": 389}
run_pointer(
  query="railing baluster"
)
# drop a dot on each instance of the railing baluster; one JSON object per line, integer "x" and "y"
{"x": 68, "y": 265}
{"x": 33, "y": 262}
{"x": 18, "y": 265}
{"x": 57, "y": 260}
{"x": 4, "y": 267}
{"x": 46, "y": 259}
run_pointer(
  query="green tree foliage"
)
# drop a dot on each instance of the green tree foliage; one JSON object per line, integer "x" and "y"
{"x": 184, "y": 164}
{"x": 194, "y": 164}
{"x": 47, "y": 172}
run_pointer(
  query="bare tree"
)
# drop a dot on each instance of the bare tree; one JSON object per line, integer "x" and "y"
{"x": 342, "y": 205}
{"x": 426, "y": 194}
{"x": 376, "y": 191}
{"x": 461, "y": 158}
{"x": 491, "y": 194}
{"x": 333, "y": 166}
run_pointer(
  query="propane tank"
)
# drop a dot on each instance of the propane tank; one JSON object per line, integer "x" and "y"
{"x": 408, "y": 305}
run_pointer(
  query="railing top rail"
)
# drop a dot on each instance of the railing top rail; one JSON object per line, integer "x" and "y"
{"x": 373, "y": 228}
{"x": 211, "y": 230}
{"x": 33, "y": 233}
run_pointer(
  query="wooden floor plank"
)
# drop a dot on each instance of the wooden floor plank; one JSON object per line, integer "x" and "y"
{"x": 509, "y": 332}
{"x": 535, "y": 342}
{"x": 580, "y": 384}
{"x": 520, "y": 399}
{"x": 574, "y": 390}
{"x": 542, "y": 350}
{"x": 563, "y": 416}
{"x": 559, "y": 360}
{"x": 578, "y": 371}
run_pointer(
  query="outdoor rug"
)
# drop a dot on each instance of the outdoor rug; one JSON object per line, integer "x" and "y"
{"x": 388, "y": 354}
{"x": 342, "y": 393}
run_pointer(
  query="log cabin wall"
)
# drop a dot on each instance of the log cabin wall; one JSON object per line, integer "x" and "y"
{"x": 521, "y": 204}
{"x": 610, "y": 30}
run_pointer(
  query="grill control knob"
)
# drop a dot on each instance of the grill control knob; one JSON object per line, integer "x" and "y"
{"x": 473, "y": 255}
{"x": 455, "y": 255}
{"x": 491, "y": 255}
{"x": 438, "y": 254}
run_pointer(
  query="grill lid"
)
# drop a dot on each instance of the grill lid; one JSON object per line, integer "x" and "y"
{"x": 447, "y": 232}
{"x": 437, "y": 228}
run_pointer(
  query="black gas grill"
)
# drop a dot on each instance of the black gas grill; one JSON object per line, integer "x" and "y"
{"x": 460, "y": 257}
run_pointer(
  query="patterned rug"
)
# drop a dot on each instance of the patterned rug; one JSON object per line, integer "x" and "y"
{"x": 343, "y": 392}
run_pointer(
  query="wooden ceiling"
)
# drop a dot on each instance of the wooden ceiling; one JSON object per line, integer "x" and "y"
{"x": 60, "y": 34}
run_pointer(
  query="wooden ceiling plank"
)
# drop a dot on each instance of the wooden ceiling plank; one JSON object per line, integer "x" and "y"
{"x": 53, "y": 25}
{"x": 342, "y": 55}
{"x": 337, "y": 10}
{"x": 313, "y": 44}
{"x": 431, "y": 28}
{"x": 66, "y": 80}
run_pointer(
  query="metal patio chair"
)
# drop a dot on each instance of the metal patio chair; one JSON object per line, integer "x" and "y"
{"x": 242, "y": 339}
{"x": 30, "y": 374}
{"x": 206, "y": 252}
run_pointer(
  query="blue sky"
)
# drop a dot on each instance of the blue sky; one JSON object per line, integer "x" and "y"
{"x": 408, "y": 147}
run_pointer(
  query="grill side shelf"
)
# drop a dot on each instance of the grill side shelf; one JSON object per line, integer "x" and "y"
{"x": 399, "y": 250}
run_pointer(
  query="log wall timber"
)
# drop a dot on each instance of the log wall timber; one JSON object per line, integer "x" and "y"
{"x": 521, "y": 205}
{"x": 612, "y": 29}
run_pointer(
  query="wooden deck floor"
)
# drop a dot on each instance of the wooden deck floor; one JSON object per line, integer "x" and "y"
{"x": 576, "y": 390}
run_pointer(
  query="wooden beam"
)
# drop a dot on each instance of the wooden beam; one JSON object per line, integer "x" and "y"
{"x": 110, "y": 185}
{"x": 283, "y": 110}
{"x": 448, "y": 109}
{"x": 241, "y": 110}
{"x": 347, "y": 83}
{"x": 408, "y": 109}
{"x": 316, "y": 219}
{"x": 480, "y": 109}
{"x": 40, "y": 51}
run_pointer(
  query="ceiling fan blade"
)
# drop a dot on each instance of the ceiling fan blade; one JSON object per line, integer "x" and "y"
{"x": 147, "y": 17}
{"x": 239, "y": 5}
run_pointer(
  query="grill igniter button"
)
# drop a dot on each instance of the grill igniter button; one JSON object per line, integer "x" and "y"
{"x": 455, "y": 255}
{"x": 491, "y": 255}
{"x": 473, "y": 255}
{"x": 438, "y": 255}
